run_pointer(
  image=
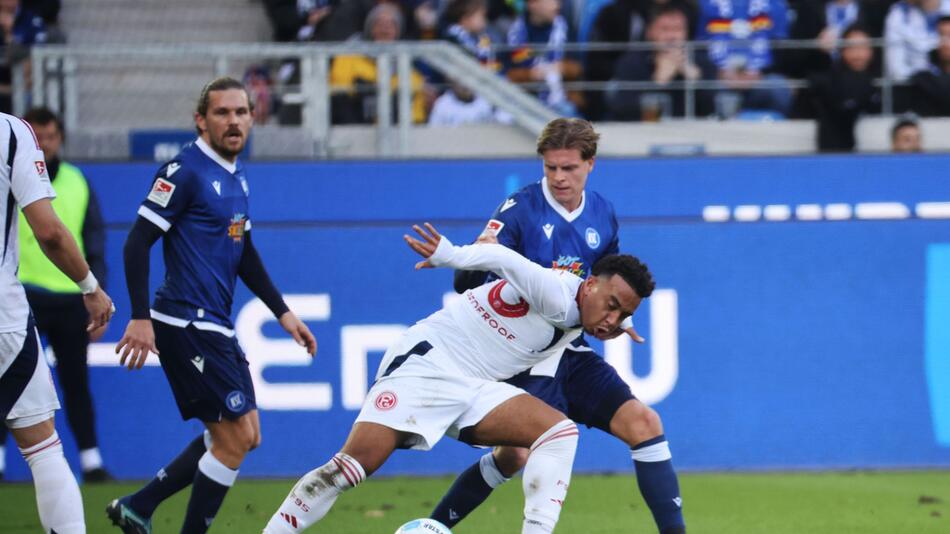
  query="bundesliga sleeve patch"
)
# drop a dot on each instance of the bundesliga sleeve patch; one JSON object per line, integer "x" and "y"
{"x": 162, "y": 192}
{"x": 40, "y": 167}
{"x": 493, "y": 228}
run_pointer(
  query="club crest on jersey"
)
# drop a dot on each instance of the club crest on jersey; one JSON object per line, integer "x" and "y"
{"x": 593, "y": 238}
{"x": 162, "y": 192}
{"x": 386, "y": 401}
{"x": 571, "y": 264}
{"x": 493, "y": 228}
{"x": 237, "y": 227}
{"x": 40, "y": 167}
{"x": 235, "y": 401}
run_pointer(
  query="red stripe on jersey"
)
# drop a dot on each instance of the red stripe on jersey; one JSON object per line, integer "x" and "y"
{"x": 503, "y": 308}
{"x": 30, "y": 128}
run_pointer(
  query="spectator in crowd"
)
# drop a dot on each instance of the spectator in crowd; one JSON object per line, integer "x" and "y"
{"x": 739, "y": 34}
{"x": 932, "y": 86}
{"x": 905, "y": 135}
{"x": 48, "y": 10}
{"x": 840, "y": 95}
{"x": 910, "y": 34}
{"x": 467, "y": 26}
{"x": 353, "y": 77}
{"x": 56, "y": 300}
{"x": 668, "y": 62}
{"x": 19, "y": 29}
{"x": 459, "y": 105}
{"x": 825, "y": 22}
{"x": 621, "y": 21}
{"x": 539, "y": 37}
{"x": 317, "y": 20}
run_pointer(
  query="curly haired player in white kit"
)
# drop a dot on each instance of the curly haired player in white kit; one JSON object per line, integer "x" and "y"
{"x": 443, "y": 376}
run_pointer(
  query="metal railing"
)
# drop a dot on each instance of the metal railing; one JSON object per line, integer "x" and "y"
{"x": 61, "y": 80}
{"x": 579, "y": 51}
{"x": 57, "y": 71}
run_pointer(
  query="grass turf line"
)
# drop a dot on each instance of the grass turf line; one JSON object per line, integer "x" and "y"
{"x": 715, "y": 503}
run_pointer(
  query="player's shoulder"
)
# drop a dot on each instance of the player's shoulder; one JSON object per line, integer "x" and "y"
{"x": 599, "y": 203}
{"x": 181, "y": 167}
{"x": 527, "y": 199}
{"x": 20, "y": 128}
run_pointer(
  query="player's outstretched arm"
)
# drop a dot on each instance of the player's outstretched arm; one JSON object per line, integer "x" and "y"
{"x": 255, "y": 277}
{"x": 542, "y": 287}
{"x": 59, "y": 246}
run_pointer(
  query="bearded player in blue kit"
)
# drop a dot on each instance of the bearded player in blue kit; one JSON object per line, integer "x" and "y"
{"x": 198, "y": 205}
{"x": 556, "y": 223}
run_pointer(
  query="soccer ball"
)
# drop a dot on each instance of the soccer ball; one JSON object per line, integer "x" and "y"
{"x": 423, "y": 526}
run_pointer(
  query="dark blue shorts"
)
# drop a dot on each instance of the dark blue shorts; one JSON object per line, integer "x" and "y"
{"x": 207, "y": 372}
{"x": 585, "y": 387}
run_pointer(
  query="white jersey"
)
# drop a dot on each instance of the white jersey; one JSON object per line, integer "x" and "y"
{"x": 502, "y": 328}
{"x": 23, "y": 180}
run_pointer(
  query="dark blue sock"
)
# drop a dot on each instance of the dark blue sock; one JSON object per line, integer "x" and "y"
{"x": 211, "y": 485}
{"x": 467, "y": 492}
{"x": 658, "y": 484}
{"x": 170, "y": 479}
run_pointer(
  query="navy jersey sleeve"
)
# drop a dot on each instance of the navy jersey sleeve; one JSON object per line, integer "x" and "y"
{"x": 504, "y": 225}
{"x": 170, "y": 195}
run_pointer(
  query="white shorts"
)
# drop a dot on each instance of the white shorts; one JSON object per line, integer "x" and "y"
{"x": 27, "y": 395}
{"x": 422, "y": 398}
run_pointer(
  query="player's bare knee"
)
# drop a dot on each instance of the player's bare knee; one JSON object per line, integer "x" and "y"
{"x": 643, "y": 425}
{"x": 510, "y": 460}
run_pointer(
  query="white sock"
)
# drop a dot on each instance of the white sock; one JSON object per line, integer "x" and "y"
{"x": 490, "y": 472}
{"x": 547, "y": 476}
{"x": 90, "y": 459}
{"x": 314, "y": 494}
{"x": 57, "y": 494}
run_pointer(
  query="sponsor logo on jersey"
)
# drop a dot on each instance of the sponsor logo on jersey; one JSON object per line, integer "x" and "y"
{"x": 199, "y": 362}
{"x": 217, "y": 187}
{"x": 40, "y": 167}
{"x": 493, "y": 228}
{"x": 548, "y": 229}
{"x": 247, "y": 190}
{"x": 571, "y": 264}
{"x": 172, "y": 169}
{"x": 386, "y": 401}
{"x": 593, "y": 238}
{"x": 235, "y": 401}
{"x": 237, "y": 226}
{"x": 162, "y": 192}
{"x": 510, "y": 203}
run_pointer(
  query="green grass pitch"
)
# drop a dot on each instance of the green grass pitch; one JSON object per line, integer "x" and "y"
{"x": 715, "y": 503}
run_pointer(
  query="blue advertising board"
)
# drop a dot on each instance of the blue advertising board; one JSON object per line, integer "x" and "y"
{"x": 801, "y": 319}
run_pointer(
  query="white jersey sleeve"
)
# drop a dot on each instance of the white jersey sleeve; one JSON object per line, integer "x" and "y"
{"x": 29, "y": 179}
{"x": 544, "y": 289}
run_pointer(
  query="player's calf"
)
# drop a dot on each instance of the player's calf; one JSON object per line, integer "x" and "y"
{"x": 314, "y": 494}
{"x": 57, "y": 494}
{"x": 547, "y": 475}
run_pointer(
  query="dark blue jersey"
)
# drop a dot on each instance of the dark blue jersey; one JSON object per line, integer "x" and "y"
{"x": 200, "y": 201}
{"x": 532, "y": 223}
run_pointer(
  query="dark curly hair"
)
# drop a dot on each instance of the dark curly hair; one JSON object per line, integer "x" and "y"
{"x": 634, "y": 272}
